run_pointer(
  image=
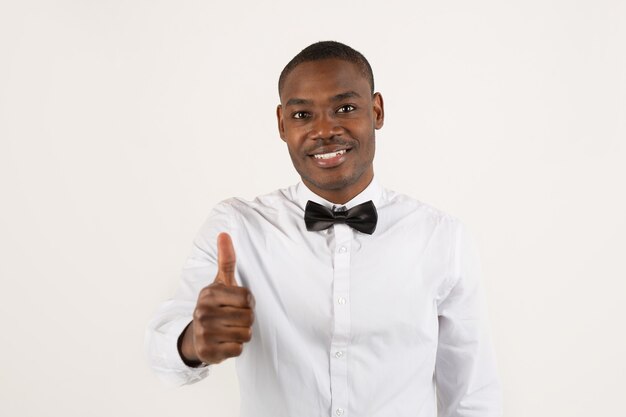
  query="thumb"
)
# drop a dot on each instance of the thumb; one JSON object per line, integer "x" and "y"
{"x": 225, "y": 260}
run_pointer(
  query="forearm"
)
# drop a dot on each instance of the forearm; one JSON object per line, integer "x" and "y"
{"x": 465, "y": 371}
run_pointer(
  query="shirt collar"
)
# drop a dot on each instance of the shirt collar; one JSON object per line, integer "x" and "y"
{"x": 372, "y": 192}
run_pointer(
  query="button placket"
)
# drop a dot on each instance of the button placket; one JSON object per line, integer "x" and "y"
{"x": 341, "y": 317}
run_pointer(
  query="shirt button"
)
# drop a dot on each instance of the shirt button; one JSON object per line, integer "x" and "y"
{"x": 341, "y": 300}
{"x": 342, "y": 249}
{"x": 339, "y": 411}
{"x": 338, "y": 354}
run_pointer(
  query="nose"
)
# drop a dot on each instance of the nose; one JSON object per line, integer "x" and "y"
{"x": 325, "y": 127}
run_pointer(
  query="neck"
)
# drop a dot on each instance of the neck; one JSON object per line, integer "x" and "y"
{"x": 341, "y": 196}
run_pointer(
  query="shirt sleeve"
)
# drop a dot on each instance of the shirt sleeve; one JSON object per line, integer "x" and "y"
{"x": 171, "y": 318}
{"x": 465, "y": 372}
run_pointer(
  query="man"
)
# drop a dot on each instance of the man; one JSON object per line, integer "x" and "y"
{"x": 344, "y": 298}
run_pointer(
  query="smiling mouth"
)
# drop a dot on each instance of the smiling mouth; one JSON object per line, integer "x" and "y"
{"x": 330, "y": 155}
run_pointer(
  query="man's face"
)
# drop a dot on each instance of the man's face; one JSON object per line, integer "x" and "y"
{"x": 327, "y": 117}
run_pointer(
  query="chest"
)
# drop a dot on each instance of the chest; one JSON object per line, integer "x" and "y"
{"x": 382, "y": 290}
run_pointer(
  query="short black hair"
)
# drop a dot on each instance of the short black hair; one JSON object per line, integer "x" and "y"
{"x": 328, "y": 50}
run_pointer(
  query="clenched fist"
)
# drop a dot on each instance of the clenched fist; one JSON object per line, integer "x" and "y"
{"x": 222, "y": 320}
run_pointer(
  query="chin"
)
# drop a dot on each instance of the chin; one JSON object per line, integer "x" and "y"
{"x": 333, "y": 184}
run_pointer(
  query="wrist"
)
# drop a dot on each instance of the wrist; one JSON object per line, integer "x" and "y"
{"x": 186, "y": 350}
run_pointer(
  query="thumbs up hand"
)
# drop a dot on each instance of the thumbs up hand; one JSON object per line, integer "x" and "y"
{"x": 223, "y": 317}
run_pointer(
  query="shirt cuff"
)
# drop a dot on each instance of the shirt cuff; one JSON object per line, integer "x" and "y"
{"x": 162, "y": 346}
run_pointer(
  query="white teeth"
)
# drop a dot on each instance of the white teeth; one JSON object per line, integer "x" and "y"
{"x": 329, "y": 155}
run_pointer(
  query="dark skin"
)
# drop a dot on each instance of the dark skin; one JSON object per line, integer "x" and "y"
{"x": 223, "y": 317}
{"x": 327, "y": 109}
{"x": 327, "y": 106}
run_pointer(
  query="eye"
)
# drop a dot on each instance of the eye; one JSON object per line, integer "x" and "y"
{"x": 300, "y": 115}
{"x": 346, "y": 108}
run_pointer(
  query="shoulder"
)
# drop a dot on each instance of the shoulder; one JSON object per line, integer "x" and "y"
{"x": 402, "y": 207}
{"x": 239, "y": 214}
{"x": 274, "y": 200}
{"x": 241, "y": 211}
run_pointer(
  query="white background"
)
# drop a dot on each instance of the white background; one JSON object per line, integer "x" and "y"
{"x": 123, "y": 122}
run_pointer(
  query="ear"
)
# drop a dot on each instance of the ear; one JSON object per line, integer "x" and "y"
{"x": 279, "y": 119}
{"x": 379, "y": 110}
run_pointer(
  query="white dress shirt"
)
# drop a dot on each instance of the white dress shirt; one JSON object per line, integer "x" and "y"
{"x": 346, "y": 324}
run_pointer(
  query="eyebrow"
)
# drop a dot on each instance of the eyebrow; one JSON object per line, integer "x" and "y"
{"x": 298, "y": 102}
{"x": 346, "y": 95}
{"x": 338, "y": 97}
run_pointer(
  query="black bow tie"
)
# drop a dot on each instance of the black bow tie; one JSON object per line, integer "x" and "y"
{"x": 362, "y": 217}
